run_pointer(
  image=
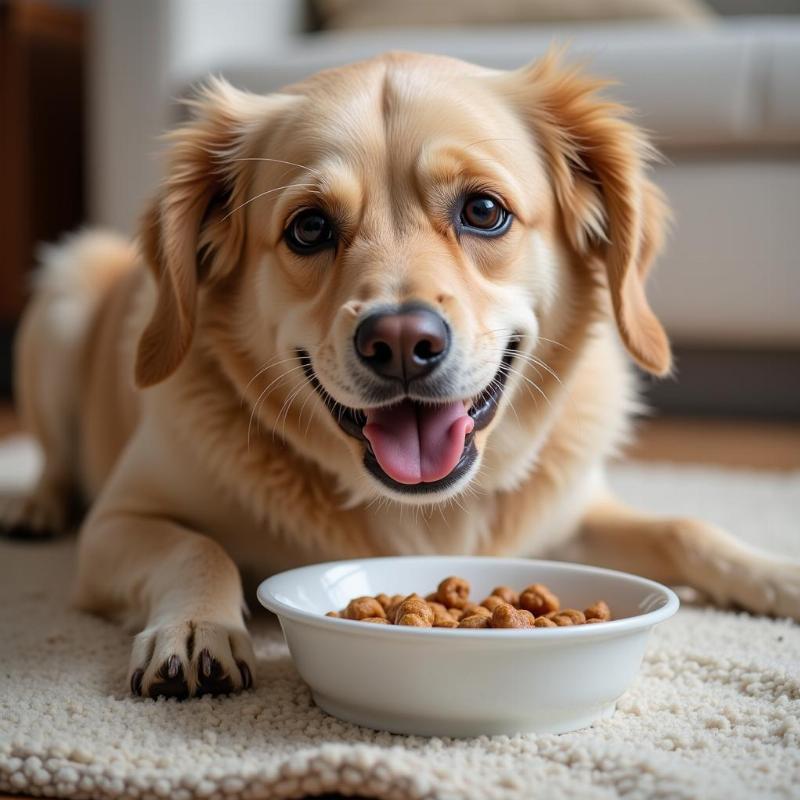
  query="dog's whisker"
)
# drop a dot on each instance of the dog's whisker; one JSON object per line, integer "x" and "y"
{"x": 511, "y": 331}
{"x": 533, "y": 360}
{"x": 553, "y": 341}
{"x": 309, "y": 186}
{"x": 534, "y": 385}
{"x": 289, "y": 408}
{"x": 511, "y": 370}
{"x": 491, "y": 139}
{"x": 310, "y": 416}
{"x": 265, "y": 368}
{"x": 277, "y": 161}
{"x": 263, "y": 396}
{"x": 287, "y": 404}
{"x": 530, "y": 359}
{"x": 539, "y": 362}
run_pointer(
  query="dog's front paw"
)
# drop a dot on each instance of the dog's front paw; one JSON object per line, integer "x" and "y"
{"x": 771, "y": 588}
{"x": 191, "y": 658}
{"x": 36, "y": 514}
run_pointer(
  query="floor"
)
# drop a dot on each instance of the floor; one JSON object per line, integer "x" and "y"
{"x": 734, "y": 443}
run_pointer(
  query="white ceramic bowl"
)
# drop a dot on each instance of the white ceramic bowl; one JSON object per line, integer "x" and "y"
{"x": 449, "y": 682}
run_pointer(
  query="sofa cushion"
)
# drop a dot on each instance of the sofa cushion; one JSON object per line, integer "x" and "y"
{"x": 729, "y": 84}
{"x": 354, "y": 14}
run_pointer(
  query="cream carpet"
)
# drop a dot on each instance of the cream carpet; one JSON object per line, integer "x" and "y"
{"x": 715, "y": 712}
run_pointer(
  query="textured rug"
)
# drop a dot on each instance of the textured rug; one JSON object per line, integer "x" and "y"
{"x": 715, "y": 712}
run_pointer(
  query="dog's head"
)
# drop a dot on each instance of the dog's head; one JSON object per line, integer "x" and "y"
{"x": 385, "y": 247}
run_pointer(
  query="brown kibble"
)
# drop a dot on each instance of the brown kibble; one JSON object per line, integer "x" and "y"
{"x": 506, "y": 593}
{"x": 384, "y": 600}
{"x": 450, "y": 607}
{"x": 526, "y": 616}
{"x": 492, "y": 602}
{"x": 475, "y": 621}
{"x": 453, "y": 592}
{"x": 441, "y": 616}
{"x": 562, "y": 620}
{"x": 599, "y": 611}
{"x": 539, "y": 600}
{"x": 506, "y": 616}
{"x": 576, "y": 616}
{"x": 391, "y": 611}
{"x": 414, "y": 606}
{"x": 363, "y": 607}
{"x": 413, "y": 620}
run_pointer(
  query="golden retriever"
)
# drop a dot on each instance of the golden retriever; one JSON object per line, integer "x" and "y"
{"x": 384, "y": 311}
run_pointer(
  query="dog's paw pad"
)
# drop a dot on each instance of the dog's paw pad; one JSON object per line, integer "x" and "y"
{"x": 170, "y": 680}
{"x": 27, "y": 533}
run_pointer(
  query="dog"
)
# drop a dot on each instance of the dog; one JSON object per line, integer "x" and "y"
{"x": 391, "y": 309}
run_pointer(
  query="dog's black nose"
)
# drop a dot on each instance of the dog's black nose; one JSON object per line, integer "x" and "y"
{"x": 403, "y": 344}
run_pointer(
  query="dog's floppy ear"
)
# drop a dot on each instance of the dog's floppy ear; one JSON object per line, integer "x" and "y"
{"x": 191, "y": 235}
{"x": 611, "y": 211}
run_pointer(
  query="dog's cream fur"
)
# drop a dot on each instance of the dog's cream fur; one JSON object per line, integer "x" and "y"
{"x": 226, "y": 456}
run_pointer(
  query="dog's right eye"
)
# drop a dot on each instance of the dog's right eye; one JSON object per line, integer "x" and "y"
{"x": 309, "y": 231}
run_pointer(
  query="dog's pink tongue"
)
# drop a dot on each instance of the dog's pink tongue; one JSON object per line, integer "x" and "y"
{"x": 415, "y": 443}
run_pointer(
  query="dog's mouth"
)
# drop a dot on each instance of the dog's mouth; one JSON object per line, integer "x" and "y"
{"x": 414, "y": 446}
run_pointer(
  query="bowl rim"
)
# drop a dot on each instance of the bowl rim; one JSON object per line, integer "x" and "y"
{"x": 266, "y": 597}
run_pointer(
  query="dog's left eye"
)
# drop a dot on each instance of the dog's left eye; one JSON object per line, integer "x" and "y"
{"x": 483, "y": 214}
{"x": 309, "y": 231}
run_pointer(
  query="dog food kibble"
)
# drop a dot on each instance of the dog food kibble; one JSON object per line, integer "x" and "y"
{"x": 441, "y": 616}
{"x": 364, "y": 608}
{"x": 506, "y": 616}
{"x": 453, "y": 592}
{"x": 450, "y": 607}
{"x": 507, "y": 594}
{"x": 538, "y": 599}
{"x": 569, "y": 616}
{"x": 475, "y": 621}
{"x": 414, "y": 611}
{"x": 492, "y": 601}
{"x": 599, "y": 611}
{"x": 384, "y": 600}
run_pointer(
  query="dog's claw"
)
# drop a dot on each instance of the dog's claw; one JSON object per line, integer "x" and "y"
{"x": 247, "y": 678}
{"x": 136, "y": 682}
{"x": 212, "y": 678}
{"x": 173, "y": 666}
{"x": 205, "y": 663}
